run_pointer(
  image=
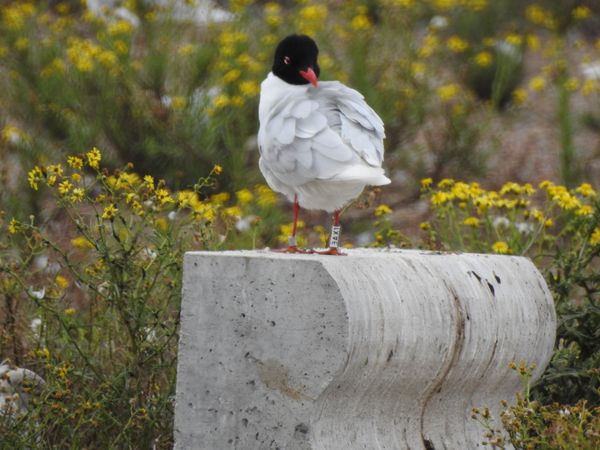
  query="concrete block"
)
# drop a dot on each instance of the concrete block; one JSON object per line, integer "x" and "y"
{"x": 374, "y": 350}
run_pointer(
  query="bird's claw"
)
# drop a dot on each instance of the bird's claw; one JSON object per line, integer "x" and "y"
{"x": 334, "y": 251}
{"x": 293, "y": 249}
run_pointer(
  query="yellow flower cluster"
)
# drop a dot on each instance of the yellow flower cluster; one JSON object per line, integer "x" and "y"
{"x": 457, "y": 44}
{"x": 311, "y": 19}
{"x": 483, "y": 59}
{"x": 537, "y": 15}
{"x": 83, "y": 54}
{"x": 510, "y": 196}
{"x": 382, "y": 210}
{"x": 15, "y": 14}
{"x": 505, "y": 218}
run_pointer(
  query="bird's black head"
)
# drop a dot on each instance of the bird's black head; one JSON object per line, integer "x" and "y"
{"x": 296, "y": 60}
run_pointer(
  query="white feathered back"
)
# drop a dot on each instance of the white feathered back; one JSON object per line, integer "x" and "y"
{"x": 326, "y": 134}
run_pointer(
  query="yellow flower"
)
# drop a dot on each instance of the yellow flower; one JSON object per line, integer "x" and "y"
{"x": 589, "y": 87}
{"x": 572, "y": 84}
{"x": 586, "y": 190}
{"x": 13, "y": 226}
{"x": 426, "y": 182}
{"x": 163, "y": 196}
{"x": 244, "y": 196}
{"x": 149, "y": 182}
{"x": 55, "y": 67}
{"x": 313, "y": 12}
{"x": 430, "y": 43}
{"x": 61, "y": 282}
{"x": 77, "y": 195}
{"x": 34, "y": 177}
{"x": 581, "y": 13}
{"x": 232, "y": 75}
{"x": 120, "y": 27}
{"x": 471, "y": 222}
{"x": 382, "y": 210}
{"x": 425, "y": 226}
{"x": 43, "y": 353}
{"x": 548, "y": 223}
{"x": 249, "y": 88}
{"x": 501, "y": 247}
{"x": 519, "y": 96}
{"x": 220, "y": 198}
{"x": 69, "y": 312}
{"x": 188, "y": 199}
{"x": 483, "y": 59}
{"x": 22, "y": 43}
{"x": 237, "y": 100}
{"x": 109, "y": 212}
{"x": 75, "y": 162}
{"x": 537, "y": 83}
{"x": 233, "y": 211}
{"x": 514, "y": 39}
{"x": 285, "y": 231}
{"x": 217, "y": 169}
{"x": 444, "y": 4}
{"x": 81, "y": 242}
{"x": 448, "y": 92}
{"x": 13, "y": 135}
{"x": 538, "y": 215}
{"x": 178, "y": 103}
{"x": 476, "y": 5}
{"x": 585, "y": 210}
{"x": 457, "y": 44}
{"x": 533, "y": 42}
{"x": 446, "y": 183}
{"x": 595, "y": 237}
{"x": 186, "y": 50}
{"x": 65, "y": 187}
{"x": 360, "y": 23}
{"x": 93, "y": 158}
{"x": 440, "y": 198}
{"x": 121, "y": 47}
{"x": 220, "y": 101}
{"x": 266, "y": 197}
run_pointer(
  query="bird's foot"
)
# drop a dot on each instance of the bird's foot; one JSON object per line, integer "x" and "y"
{"x": 334, "y": 251}
{"x": 293, "y": 249}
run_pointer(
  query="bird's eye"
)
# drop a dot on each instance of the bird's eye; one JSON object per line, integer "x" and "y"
{"x": 286, "y": 60}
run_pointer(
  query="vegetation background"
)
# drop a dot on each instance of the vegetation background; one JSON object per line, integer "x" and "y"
{"x": 128, "y": 136}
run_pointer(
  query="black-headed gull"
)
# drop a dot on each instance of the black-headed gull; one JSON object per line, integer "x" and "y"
{"x": 320, "y": 143}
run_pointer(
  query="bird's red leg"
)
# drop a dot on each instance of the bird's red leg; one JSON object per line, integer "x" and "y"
{"x": 292, "y": 244}
{"x": 334, "y": 239}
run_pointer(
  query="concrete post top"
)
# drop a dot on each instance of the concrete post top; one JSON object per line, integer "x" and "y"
{"x": 379, "y": 349}
{"x": 350, "y": 252}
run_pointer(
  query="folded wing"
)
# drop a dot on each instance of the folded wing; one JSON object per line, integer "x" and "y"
{"x": 325, "y": 133}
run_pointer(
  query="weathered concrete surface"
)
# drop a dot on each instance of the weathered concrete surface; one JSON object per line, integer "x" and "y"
{"x": 375, "y": 350}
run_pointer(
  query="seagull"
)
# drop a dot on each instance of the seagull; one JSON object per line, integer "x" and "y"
{"x": 320, "y": 143}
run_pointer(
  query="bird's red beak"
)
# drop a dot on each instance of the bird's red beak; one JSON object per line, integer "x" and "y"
{"x": 310, "y": 76}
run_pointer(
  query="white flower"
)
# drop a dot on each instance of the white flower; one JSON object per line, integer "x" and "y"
{"x": 591, "y": 71}
{"x": 149, "y": 253}
{"x": 524, "y": 227}
{"x": 438, "y": 22}
{"x": 508, "y": 49}
{"x": 35, "y": 325}
{"x": 166, "y": 101}
{"x": 501, "y": 222}
{"x": 40, "y": 261}
{"x": 244, "y": 223}
{"x": 37, "y": 294}
{"x": 172, "y": 215}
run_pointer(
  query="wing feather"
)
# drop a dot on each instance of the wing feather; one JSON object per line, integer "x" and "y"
{"x": 319, "y": 134}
